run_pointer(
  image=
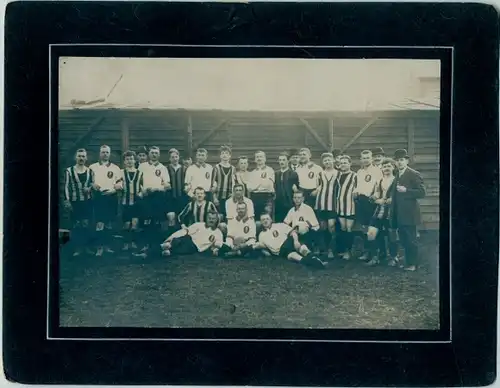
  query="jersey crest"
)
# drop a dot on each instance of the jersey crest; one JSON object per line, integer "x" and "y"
{"x": 368, "y": 178}
{"x": 301, "y": 219}
{"x": 110, "y": 174}
{"x": 157, "y": 172}
{"x": 311, "y": 175}
{"x": 246, "y": 229}
{"x": 276, "y": 233}
{"x": 211, "y": 238}
{"x": 207, "y": 175}
{"x": 263, "y": 175}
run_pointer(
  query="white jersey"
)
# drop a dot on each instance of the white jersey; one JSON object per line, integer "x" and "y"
{"x": 199, "y": 176}
{"x": 154, "y": 176}
{"x": 304, "y": 213}
{"x": 261, "y": 180}
{"x": 231, "y": 208}
{"x": 274, "y": 237}
{"x": 367, "y": 178}
{"x": 308, "y": 176}
{"x": 105, "y": 175}
{"x": 244, "y": 229}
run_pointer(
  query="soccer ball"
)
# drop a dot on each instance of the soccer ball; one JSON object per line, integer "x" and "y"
{"x": 302, "y": 227}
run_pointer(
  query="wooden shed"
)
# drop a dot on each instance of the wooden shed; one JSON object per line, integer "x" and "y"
{"x": 415, "y": 128}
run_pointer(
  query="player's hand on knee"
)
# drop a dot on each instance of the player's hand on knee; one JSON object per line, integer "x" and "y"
{"x": 297, "y": 245}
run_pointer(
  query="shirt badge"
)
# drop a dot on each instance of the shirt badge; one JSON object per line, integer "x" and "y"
{"x": 368, "y": 178}
{"x": 276, "y": 233}
{"x": 246, "y": 229}
{"x": 311, "y": 175}
{"x": 110, "y": 174}
{"x": 263, "y": 175}
{"x": 157, "y": 172}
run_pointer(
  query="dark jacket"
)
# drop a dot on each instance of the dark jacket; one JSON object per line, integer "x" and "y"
{"x": 406, "y": 209}
{"x": 283, "y": 186}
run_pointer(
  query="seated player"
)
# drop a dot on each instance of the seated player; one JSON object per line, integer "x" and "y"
{"x": 281, "y": 240}
{"x": 237, "y": 198}
{"x": 132, "y": 181}
{"x": 301, "y": 217}
{"x": 200, "y": 237}
{"x": 326, "y": 201}
{"x": 224, "y": 175}
{"x": 78, "y": 181}
{"x": 308, "y": 173}
{"x": 261, "y": 185}
{"x": 199, "y": 174}
{"x": 381, "y": 223}
{"x": 241, "y": 233}
{"x": 345, "y": 207}
{"x": 197, "y": 210}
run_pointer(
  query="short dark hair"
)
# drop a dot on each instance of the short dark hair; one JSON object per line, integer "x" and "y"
{"x": 243, "y": 158}
{"x": 80, "y": 150}
{"x": 336, "y": 152}
{"x": 225, "y": 148}
{"x": 298, "y": 192}
{"x": 128, "y": 153}
{"x": 156, "y": 148}
{"x": 284, "y": 153}
{"x": 238, "y": 185}
{"x": 326, "y": 155}
{"x": 389, "y": 160}
{"x": 173, "y": 151}
{"x": 199, "y": 188}
{"x": 265, "y": 214}
{"x": 344, "y": 156}
{"x": 203, "y": 150}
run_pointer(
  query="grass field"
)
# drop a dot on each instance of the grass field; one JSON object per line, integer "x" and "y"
{"x": 195, "y": 291}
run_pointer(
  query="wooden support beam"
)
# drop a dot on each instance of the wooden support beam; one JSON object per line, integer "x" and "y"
{"x": 68, "y": 157}
{"x": 210, "y": 134}
{"x": 360, "y": 132}
{"x": 411, "y": 138}
{"x": 189, "y": 145}
{"x": 331, "y": 134}
{"x": 314, "y": 134}
{"x": 125, "y": 135}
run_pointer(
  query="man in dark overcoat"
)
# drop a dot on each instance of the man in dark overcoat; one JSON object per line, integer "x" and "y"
{"x": 406, "y": 209}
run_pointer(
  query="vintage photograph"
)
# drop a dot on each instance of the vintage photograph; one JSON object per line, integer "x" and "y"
{"x": 249, "y": 193}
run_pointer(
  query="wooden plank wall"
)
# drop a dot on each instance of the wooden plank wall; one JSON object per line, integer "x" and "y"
{"x": 272, "y": 133}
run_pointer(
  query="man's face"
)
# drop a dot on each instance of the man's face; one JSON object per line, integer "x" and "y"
{"x": 129, "y": 161}
{"x": 154, "y": 155}
{"x": 402, "y": 163}
{"x": 200, "y": 195}
{"x": 238, "y": 192}
{"x": 304, "y": 156}
{"x": 283, "y": 161}
{"x": 377, "y": 159}
{"x": 298, "y": 198}
{"x": 366, "y": 160}
{"x": 104, "y": 154}
{"x": 260, "y": 159}
{"x": 337, "y": 160}
{"x": 328, "y": 162}
{"x": 174, "y": 158}
{"x": 212, "y": 220}
{"x": 201, "y": 157}
{"x": 188, "y": 162}
{"x": 344, "y": 165}
{"x": 387, "y": 168}
{"x": 225, "y": 156}
{"x": 142, "y": 157}
{"x": 294, "y": 159}
{"x": 241, "y": 209}
{"x": 243, "y": 164}
{"x": 81, "y": 158}
{"x": 266, "y": 220}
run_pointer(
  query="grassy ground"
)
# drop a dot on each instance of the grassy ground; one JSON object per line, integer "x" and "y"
{"x": 265, "y": 293}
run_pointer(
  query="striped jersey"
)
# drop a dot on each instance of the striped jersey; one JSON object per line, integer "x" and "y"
{"x": 384, "y": 189}
{"x": 177, "y": 178}
{"x": 132, "y": 185}
{"x": 196, "y": 212}
{"x": 345, "y": 202}
{"x": 326, "y": 197}
{"x": 242, "y": 178}
{"x": 75, "y": 182}
{"x": 224, "y": 179}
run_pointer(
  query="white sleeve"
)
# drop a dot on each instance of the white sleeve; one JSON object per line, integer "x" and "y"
{"x": 313, "y": 220}
{"x": 66, "y": 184}
{"x": 219, "y": 239}
{"x": 287, "y": 229}
{"x": 272, "y": 175}
{"x": 193, "y": 228}
{"x": 189, "y": 176}
{"x": 228, "y": 210}
{"x": 166, "y": 175}
{"x": 179, "y": 233}
{"x": 250, "y": 183}
{"x": 230, "y": 242}
{"x": 288, "y": 218}
{"x": 253, "y": 230}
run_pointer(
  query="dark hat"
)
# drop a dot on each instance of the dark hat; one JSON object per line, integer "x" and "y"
{"x": 378, "y": 151}
{"x": 336, "y": 152}
{"x": 293, "y": 151}
{"x": 142, "y": 150}
{"x": 401, "y": 154}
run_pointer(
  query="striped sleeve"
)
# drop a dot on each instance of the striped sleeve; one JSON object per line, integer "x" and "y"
{"x": 183, "y": 215}
{"x": 66, "y": 184}
{"x": 212, "y": 208}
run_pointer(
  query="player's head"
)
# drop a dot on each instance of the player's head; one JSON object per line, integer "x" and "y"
{"x": 388, "y": 165}
{"x": 129, "y": 159}
{"x": 199, "y": 194}
{"x": 81, "y": 156}
{"x": 142, "y": 155}
{"x": 260, "y": 158}
{"x": 201, "y": 155}
{"x": 402, "y": 159}
{"x": 345, "y": 163}
{"x": 305, "y": 155}
{"x": 187, "y": 161}
{"x": 238, "y": 191}
{"x": 154, "y": 154}
{"x": 212, "y": 219}
{"x": 241, "y": 209}
{"x": 366, "y": 158}
{"x": 327, "y": 160}
{"x": 243, "y": 163}
{"x": 283, "y": 160}
{"x": 225, "y": 153}
{"x": 378, "y": 155}
{"x": 266, "y": 220}
{"x": 298, "y": 198}
{"x": 173, "y": 156}
{"x": 294, "y": 157}
{"x": 104, "y": 153}
{"x": 336, "y": 155}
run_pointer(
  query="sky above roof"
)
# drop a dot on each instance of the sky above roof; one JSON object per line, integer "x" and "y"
{"x": 244, "y": 84}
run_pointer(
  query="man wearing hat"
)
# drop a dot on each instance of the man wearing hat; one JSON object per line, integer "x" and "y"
{"x": 378, "y": 156}
{"x": 336, "y": 157}
{"x": 406, "y": 209}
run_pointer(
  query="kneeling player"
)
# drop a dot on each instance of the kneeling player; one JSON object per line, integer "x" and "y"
{"x": 201, "y": 237}
{"x": 241, "y": 233}
{"x": 281, "y": 240}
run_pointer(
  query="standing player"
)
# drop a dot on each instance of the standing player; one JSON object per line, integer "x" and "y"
{"x": 243, "y": 175}
{"x": 336, "y": 156}
{"x": 188, "y": 161}
{"x": 286, "y": 184}
{"x": 132, "y": 193}
{"x": 346, "y": 182}
{"x": 199, "y": 175}
{"x": 378, "y": 156}
{"x": 261, "y": 185}
{"x": 106, "y": 181}
{"x": 241, "y": 233}
{"x": 308, "y": 173}
{"x": 381, "y": 225}
{"x": 367, "y": 177}
{"x": 409, "y": 189}
{"x": 302, "y": 218}
{"x": 142, "y": 156}
{"x": 78, "y": 181}
{"x": 326, "y": 201}
{"x": 223, "y": 180}
{"x": 196, "y": 210}
{"x": 294, "y": 159}
{"x": 281, "y": 240}
{"x": 178, "y": 198}
{"x": 237, "y": 198}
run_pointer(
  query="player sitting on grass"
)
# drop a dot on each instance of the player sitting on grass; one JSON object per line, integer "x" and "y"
{"x": 241, "y": 234}
{"x": 281, "y": 240}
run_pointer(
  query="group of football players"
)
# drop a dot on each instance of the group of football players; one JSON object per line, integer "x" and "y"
{"x": 303, "y": 211}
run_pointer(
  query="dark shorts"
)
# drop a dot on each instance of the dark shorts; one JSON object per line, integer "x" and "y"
{"x": 154, "y": 205}
{"x": 130, "y": 211}
{"x": 287, "y": 247}
{"x": 105, "y": 207}
{"x": 222, "y": 207}
{"x": 81, "y": 210}
{"x": 364, "y": 210}
{"x": 325, "y": 215}
{"x": 261, "y": 201}
{"x": 175, "y": 205}
{"x": 183, "y": 246}
{"x": 352, "y": 218}
{"x": 309, "y": 199}
{"x": 380, "y": 224}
